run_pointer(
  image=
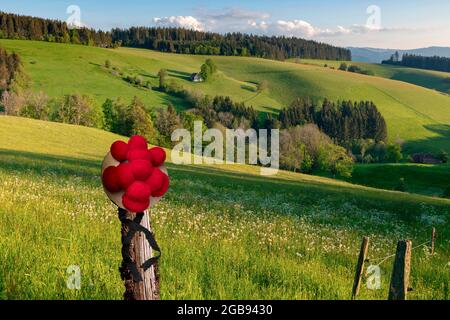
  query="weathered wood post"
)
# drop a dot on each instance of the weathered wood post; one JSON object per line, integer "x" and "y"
{"x": 398, "y": 289}
{"x": 360, "y": 266}
{"x": 136, "y": 250}
{"x": 433, "y": 240}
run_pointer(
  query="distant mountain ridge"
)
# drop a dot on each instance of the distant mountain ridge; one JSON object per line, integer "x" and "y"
{"x": 374, "y": 55}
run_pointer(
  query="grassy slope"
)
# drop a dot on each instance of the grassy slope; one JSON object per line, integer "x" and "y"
{"x": 60, "y": 69}
{"x": 430, "y": 180}
{"x": 415, "y": 114}
{"x": 425, "y": 78}
{"x": 225, "y": 232}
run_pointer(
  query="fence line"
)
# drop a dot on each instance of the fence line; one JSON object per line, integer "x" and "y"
{"x": 399, "y": 286}
{"x": 393, "y": 255}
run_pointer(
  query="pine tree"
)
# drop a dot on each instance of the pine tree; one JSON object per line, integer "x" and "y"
{"x": 162, "y": 74}
{"x": 205, "y": 72}
{"x": 141, "y": 122}
{"x": 109, "y": 115}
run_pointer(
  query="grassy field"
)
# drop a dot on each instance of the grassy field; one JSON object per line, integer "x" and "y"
{"x": 225, "y": 232}
{"x": 431, "y": 180}
{"x": 425, "y": 78}
{"x": 418, "y": 115}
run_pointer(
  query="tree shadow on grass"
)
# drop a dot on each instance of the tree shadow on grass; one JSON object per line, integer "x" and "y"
{"x": 248, "y": 88}
{"x": 39, "y": 163}
{"x": 426, "y": 80}
{"x": 147, "y": 75}
{"x": 95, "y": 64}
{"x": 272, "y": 110}
{"x": 178, "y": 103}
{"x": 435, "y": 144}
{"x": 179, "y": 74}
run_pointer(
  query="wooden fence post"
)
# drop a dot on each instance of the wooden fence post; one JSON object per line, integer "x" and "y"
{"x": 399, "y": 286}
{"x": 433, "y": 240}
{"x": 135, "y": 252}
{"x": 360, "y": 266}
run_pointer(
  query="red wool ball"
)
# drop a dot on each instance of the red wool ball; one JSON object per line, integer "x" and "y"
{"x": 138, "y": 154}
{"x": 125, "y": 175}
{"x": 110, "y": 179}
{"x": 163, "y": 189}
{"x": 158, "y": 156}
{"x": 138, "y": 191}
{"x": 119, "y": 150}
{"x": 156, "y": 180}
{"x": 142, "y": 169}
{"x": 137, "y": 142}
{"x": 135, "y": 206}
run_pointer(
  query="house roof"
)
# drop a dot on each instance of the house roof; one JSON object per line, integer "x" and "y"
{"x": 196, "y": 76}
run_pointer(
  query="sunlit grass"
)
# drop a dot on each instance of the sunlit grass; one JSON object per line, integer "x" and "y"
{"x": 431, "y": 180}
{"x": 426, "y": 78}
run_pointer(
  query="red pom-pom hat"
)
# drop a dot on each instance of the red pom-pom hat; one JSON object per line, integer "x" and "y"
{"x": 110, "y": 179}
{"x": 138, "y": 191}
{"x": 132, "y": 174}
{"x": 137, "y": 142}
{"x": 139, "y": 154}
{"x": 158, "y": 156}
{"x": 142, "y": 169}
{"x": 119, "y": 150}
{"x": 135, "y": 206}
{"x": 125, "y": 175}
{"x": 165, "y": 186}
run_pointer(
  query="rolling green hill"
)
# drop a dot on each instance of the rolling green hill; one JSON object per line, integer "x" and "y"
{"x": 430, "y": 180}
{"x": 425, "y": 78}
{"x": 415, "y": 114}
{"x": 225, "y": 231}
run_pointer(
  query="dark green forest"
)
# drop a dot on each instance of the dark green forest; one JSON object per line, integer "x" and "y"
{"x": 416, "y": 61}
{"x": 178, "y": 40}
{"x": 343, "y": 120}
{"x": 14, "y": 26}
{"x": 175, "y": 40}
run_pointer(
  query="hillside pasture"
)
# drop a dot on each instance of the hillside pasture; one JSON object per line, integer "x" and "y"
{"x": 416, "y": 115}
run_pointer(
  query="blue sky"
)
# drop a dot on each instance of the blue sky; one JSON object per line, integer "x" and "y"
{"x": 387, "y": 24}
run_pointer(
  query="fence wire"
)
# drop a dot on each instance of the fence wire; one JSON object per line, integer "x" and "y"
{"x": 393, "y": 255}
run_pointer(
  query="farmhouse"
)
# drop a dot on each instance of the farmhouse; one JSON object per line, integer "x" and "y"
{"x": 196, "y": 77}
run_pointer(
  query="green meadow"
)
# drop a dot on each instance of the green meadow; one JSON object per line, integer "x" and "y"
{"x": 415, "y": 114}
{"x": 431, "y": 180}
{"x": 431, "y": 79}
{"x": 225, "y": 231}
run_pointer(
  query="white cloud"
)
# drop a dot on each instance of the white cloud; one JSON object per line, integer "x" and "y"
{"x": 233, "y": 20}
{"x": 362, "y": 29}
{"x": 298, "y": 28}
{"x": 234, "y": 14}
{"x": 188, "y": 22}
{"x": 263, "y": 25}
{"x": 256, "y": 22}
{"x": 304, "y": 29}
{"x": 225, "y": 20}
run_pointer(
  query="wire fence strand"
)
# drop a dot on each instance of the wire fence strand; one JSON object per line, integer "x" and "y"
{"x": 393, "y": 255}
